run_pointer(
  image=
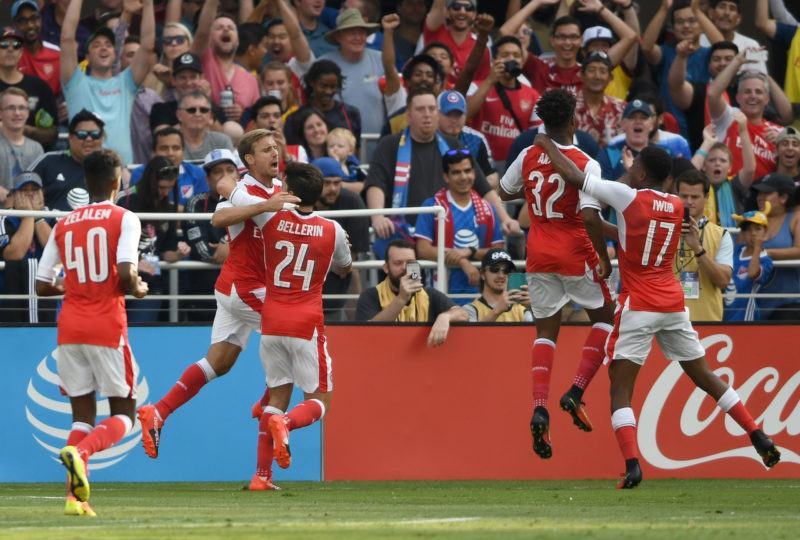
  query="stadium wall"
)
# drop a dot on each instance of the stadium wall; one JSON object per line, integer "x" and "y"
{"x": 404, "y": 411}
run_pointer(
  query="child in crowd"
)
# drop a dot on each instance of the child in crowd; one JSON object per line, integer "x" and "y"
{"x": 752, "y": 267}
{"x": 341, "y": 147}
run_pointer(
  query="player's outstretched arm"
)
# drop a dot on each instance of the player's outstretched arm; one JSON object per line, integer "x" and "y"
{"x": 568, "y": 171}
{"x": 130, "y": 280}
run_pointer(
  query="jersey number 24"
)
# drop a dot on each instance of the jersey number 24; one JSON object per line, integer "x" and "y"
{"x": 302, "y": 268}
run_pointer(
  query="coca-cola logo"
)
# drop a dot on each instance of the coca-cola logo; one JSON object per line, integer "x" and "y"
{"x": 681, "y": 426}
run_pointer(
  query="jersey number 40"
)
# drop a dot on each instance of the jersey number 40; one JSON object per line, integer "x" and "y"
{"x": 94, "y": 257}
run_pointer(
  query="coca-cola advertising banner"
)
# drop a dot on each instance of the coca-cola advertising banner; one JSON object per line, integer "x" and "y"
{"x": 402, "y": 410}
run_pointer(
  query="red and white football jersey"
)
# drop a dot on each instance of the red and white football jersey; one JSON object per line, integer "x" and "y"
{"x": 89, "y": 243}
{"x": 497, "y": 123}
{"x": 649, "y": 225}
{"x": 728, "y": 131}
{"x": 557, "y": 240}
{"x": 244, "y": 266}
{"x": 299, "y": 249}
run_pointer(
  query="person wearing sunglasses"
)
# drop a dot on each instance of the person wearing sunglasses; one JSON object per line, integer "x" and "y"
{"x": 62, "y": 170}
{"x": 111, "y": 96}
{"x": 17, "y": 152}
{"x": 195, "y": 120}
{"x": 497, "y": 302}
{"x": 471, "y": 225}
{"x": 450, "y": 22}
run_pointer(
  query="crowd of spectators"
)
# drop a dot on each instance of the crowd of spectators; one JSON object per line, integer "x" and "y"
{"x": 439, "y": 96}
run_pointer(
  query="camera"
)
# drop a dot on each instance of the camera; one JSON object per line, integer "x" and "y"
{"x": 513, "y": 68}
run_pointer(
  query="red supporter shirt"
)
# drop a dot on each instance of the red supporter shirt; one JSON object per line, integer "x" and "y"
{"x": 603, "y": 124}
{"x": 649, "y": 225}
{"x": 460, "y": 52}
{"x": 546, "y": 74}
{"x": 89, "y": 243}
{"x": 46, "y": 65}
{"x": 497, "y": 124}
{"x": 557, "y": 240}
{"x": 728, "y": 132}
{"x": 244, "y": 266}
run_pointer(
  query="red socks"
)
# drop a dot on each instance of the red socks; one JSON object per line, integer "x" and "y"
{"x": 304, "y": 414}
{"x": 192, "y": 380}
{"x": 593, "y": 355}
{"x": 107, "y": 433}
{"x": 731, "y": 404}
{"x": 79, "y": 432}
{"x": 541, "y": 366}
{"x": 264, "y": 455}
{"x": 624, "y": 423}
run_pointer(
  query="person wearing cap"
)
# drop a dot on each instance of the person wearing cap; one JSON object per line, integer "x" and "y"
{"x": 704, "y": 260}
{"x": 17, "y": 152}
{"x": 688, "y": 22}
{"x": 637, "y": 123}
{"x": 752, "y": 267}
{"x": 471, "y": 225}
{"x": 596, "y": 112}
{"x": 39, "y": 57}
{"x": 22, "y": 240}
{"x": 497, "y": 303}
{"x": 361, "y": 67}
{"x": 333, "y": 197}
{"x": 169, "y": 142}
{"x": 62, "y": 170}
{"x": 452, "y": 121}
{"x": 785, "y": 36}
{"x": 787, "y": 151}
{"x": 450, "y": 22}
{"x": 753, "y": 92}
{"x": 782, "y": 243}
{"x": 41, "y": 126}
{"x": 187, "y": 75}
{"x": 503, "y": 106}
{"x": 208, "y": 243}
{"x": 600, "y": 38}
{"x": 110, "y": 96}
{"x": 316, "y": 20}
{"x": 215, "y": 42}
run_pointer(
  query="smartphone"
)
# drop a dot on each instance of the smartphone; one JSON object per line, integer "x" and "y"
{"x": 516, "y": 281}
{"x": 756, "y": 55}
{"x": 686, "y": 217}
{"x": 414, "y": 271}
{"x": 274, "y": 93}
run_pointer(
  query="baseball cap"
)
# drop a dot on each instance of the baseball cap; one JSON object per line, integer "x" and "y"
{"x": 10, "y": 32}
{"x": 753, "y": 216}
{"x": 637, "y": 105}
{"x": 85, "y": 115}
{"x": 452, "y": 100}
{"x": 597, "y": 32}
{"x": 497, "y": 255}
{"x": 19, "y": 4}
{"x": 780, "y": 182}
{"x": 473, "y": 2}
{"x": 787, "y": 133}
{"x": 187, "y": 61}
{"x": 220, "y": 155}
{"x": 597, "y": 56}
{"x": 26, "y": 177}
{"x": 330, "y": 167}
{"x": 104, "y": 31}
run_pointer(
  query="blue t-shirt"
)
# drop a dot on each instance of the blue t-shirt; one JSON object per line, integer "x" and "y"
{"x": 696, "y": 71}
{"x": 466, "y": 233}
{"x": 191, "y": 181}
{"x": 111, "y": 99}
{"x": 316, "y": 37}
{"x": 746, "y": 309}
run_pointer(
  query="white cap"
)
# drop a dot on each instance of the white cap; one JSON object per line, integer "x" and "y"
{"x": 597, "y": 32}
{"x": 219, "y": 155}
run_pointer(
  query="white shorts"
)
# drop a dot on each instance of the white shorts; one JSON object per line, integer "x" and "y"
{"x": 89, "y": 368}
{"x": 303, "y": 362}
{"x": 550, "y": 292}
{"x": 633, "y": 334}
{"x": 234, "y": 320}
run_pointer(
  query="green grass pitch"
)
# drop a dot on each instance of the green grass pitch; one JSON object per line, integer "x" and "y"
{"x": 693, "y": 509}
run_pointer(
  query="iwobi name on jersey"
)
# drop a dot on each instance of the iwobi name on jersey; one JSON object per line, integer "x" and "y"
{"x": 299, "y": 229}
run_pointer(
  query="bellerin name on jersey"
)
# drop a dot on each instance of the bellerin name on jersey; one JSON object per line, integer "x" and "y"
{"x": 299, "y": 229}
{"x": 87, "y": 214}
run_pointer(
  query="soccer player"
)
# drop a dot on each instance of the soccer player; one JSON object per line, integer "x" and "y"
{"x": 239, "y": 288}
{"x": 97, "y": 245}
{"x": 651, "y": 299}
{"x": 300, "y": 248}
{"x": 567, "y": 262}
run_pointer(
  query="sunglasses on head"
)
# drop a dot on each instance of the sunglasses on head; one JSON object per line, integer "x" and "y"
{"x": 193, "y": 110}
{"x": 168, "y": 172}
{"x": 465, "y": 7}
{"x": 497, "y": 268}
{"x": 457, "y": 151}
{"x": 14, "y": 43}
{"x": 83, "y": 134}
{"x": 173, "y": 40}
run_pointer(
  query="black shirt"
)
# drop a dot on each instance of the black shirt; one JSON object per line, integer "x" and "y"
{"x": 369, "y": 304}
